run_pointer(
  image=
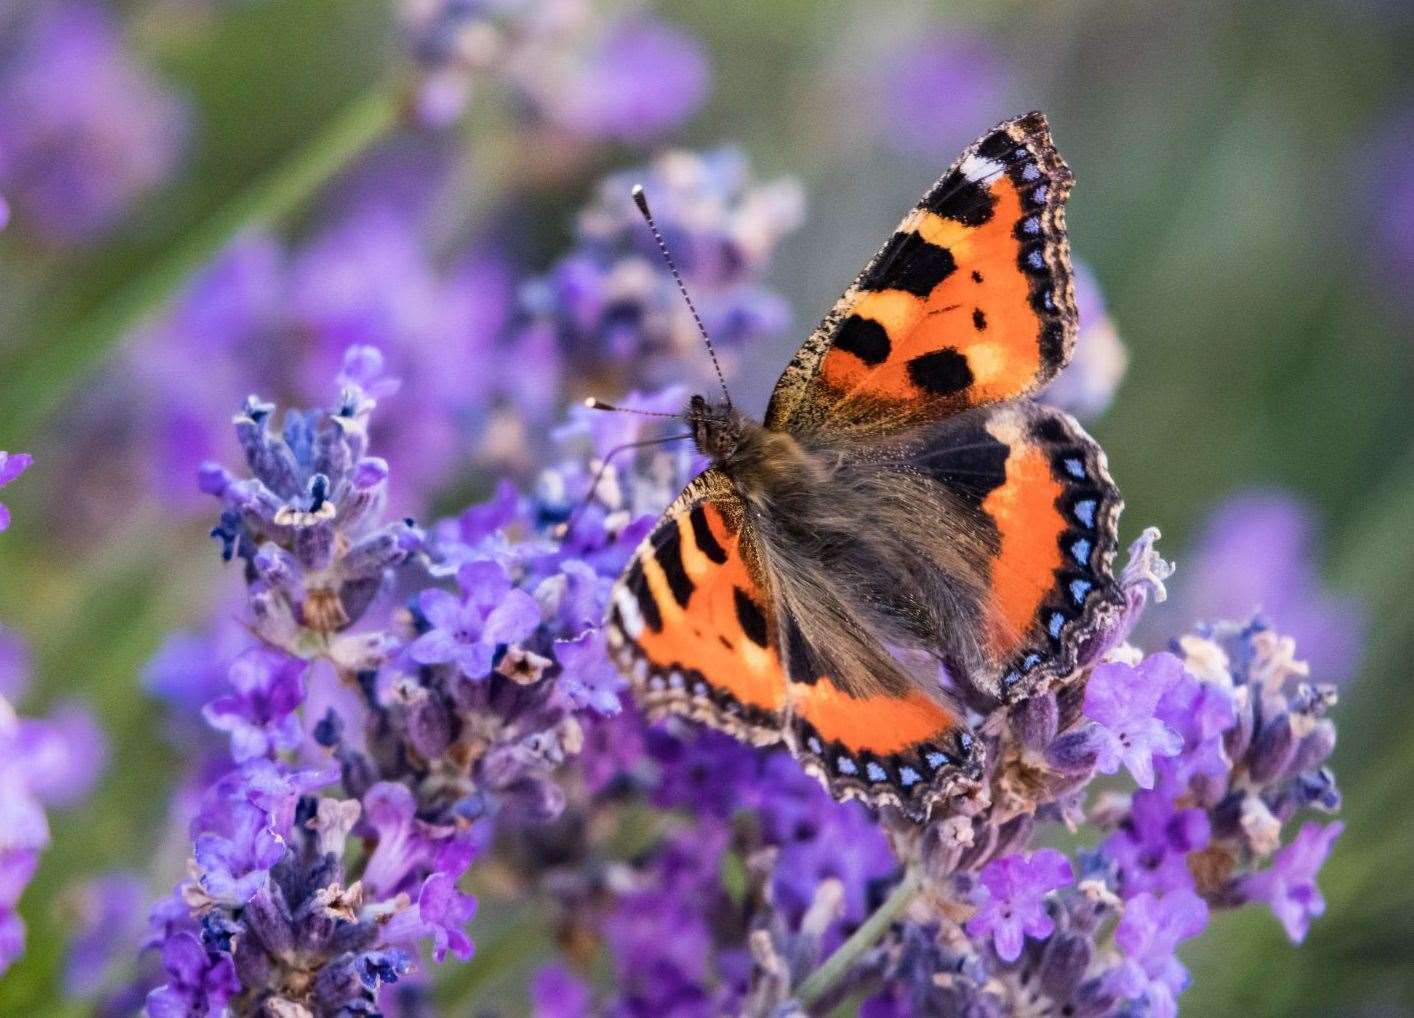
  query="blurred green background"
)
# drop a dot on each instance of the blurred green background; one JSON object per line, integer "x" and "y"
{"x": 1230, "y": 193}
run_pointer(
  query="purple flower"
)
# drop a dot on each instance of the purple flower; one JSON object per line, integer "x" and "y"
{"x": 1013, "y": 906}
{"x": 1151, "y": 847}
{"x": 61, "y": 756}
{"x": 589, "y": 679}
{"x": 84, "y": 130}
{"x": 14, "y": 666}
{"x": 1122, "y": 702}
{"x": 407, "y": 846}
{"x": 244, "y": 826}
{"x": 259, "y": 715}
{"x": 110, "y": 922}
{"x": 1149, "y": 932}
{"x": 466, "y": 631}
{"x": 1288, "y": 885}
{"x": 1201, "y": 712}
{"x": 197, "y": 983}
{"x": 12, "y": 465}
{"x": 1088, "y": 383}
{"x": 610, "y": 306}
{"x": 641, "y": 81}
{"x": 556, "y": 993}
{"x": 1258, "y": 553}
{"x": 938, "y": 88}
{"x": 441, "y": 911}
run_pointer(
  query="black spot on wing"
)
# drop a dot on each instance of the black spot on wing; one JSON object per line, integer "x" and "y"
{"x": 1052, "y": 344}
{"x": 637, "y": 585}
{"x": 969, "y": 461}
{"x": 801, "y": 662}
{"x": 941, "y": 372}
{"x": 997, "y": 146}
{"x": 911, "y": 264}
{"x": 668, "y": 553}
{"x": 748, "y": 613}
{"x": 702, "y": 534}
{"x": 961, "y": 200}
{"x": 865, "y": 338}
{"x": 979, "y": 320}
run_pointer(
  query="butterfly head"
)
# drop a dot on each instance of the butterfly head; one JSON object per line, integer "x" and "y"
{"x": 716, "y": 427}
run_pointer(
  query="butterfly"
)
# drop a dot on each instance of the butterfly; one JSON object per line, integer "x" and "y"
{"x": 903, "y": 512}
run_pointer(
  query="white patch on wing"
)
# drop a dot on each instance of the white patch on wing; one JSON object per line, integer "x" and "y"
{"x": 979, "y": 170}
{"x": 628, "y": 610}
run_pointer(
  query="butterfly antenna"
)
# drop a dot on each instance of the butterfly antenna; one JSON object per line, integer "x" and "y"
{"x": 641, "y": 200}
{"x": 599, "y": 404}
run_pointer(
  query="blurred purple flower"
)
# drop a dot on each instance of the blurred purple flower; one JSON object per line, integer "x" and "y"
{"x": 53, "y": 762}
{"x": 12, "y": 465}
{"x": 14, "y": 666}
{"x": 1087, "y": 384}
{"x": 85, "y": 130}
{"x": 1258, "y": 553}
{"x": 1013, "y": 906}
{"x": 642, "y": 79}
{"x": 1288, "y": 885}
{"x": 936, "y": 89}
{"x": 612, "y": 307}
{"x": 1148, "y": 933}
{"x": 110, "y": 920}
{"x": 1122, "y": 700}
{"x": 1389, "y": 201}
{"x": 556, "y": 993}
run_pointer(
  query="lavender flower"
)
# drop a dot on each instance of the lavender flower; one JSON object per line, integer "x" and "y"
{"x": 1288, "y": 886}
{"x": 52, "y": 762}
{"x": 610, "y": 303}
{"x": 1097, "y": 366}
{"x": 466, "y": 631}
{"x": 1258, "y": 553}
{"x": 936, "y": 88}
{"x": 86, "y": 130}
{"x": 641, "y": 79}
{"x": 1152, "y": 927}
{"x": 1013, "y": 894}
{"x": 1121, "y": 701}
{"x": 12, "y": 465}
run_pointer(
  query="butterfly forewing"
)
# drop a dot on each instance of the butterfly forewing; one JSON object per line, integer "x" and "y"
{"x": 969, "y": 302}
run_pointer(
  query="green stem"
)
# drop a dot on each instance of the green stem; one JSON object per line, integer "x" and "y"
{"x": 34, "y": 382}
{"x": 824, "y": 978}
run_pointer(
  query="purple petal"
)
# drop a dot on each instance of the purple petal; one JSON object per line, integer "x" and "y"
{"x": 511, "y": 621}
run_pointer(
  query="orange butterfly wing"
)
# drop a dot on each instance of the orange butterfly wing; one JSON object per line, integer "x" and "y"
{"x": 970, "y": 302}
{"x": 693, "y": 626}
{"x": 1042, "y": 496}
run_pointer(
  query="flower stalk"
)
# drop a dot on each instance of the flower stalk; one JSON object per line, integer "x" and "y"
{"x": 834, "y": 968}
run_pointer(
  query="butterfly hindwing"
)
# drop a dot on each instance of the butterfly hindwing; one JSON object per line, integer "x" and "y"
{"x": 690, "y": 624}
{"x": 970, "y": 301}
{"x": 905, "y": 750}
{"x": 1042, "y": 494}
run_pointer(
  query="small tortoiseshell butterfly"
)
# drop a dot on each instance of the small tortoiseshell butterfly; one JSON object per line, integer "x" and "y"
{"x": 903, "y": 505}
